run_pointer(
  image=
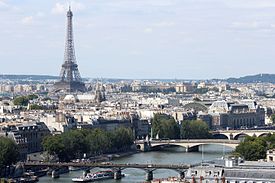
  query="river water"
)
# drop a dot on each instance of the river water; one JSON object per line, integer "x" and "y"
{"x": 175, "y": 155}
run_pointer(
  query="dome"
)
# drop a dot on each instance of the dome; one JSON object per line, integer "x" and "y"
{"x": 219, "y": 107}
{"x": 70, "y": 98}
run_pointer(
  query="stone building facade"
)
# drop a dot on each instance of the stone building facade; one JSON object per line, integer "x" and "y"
{"x": 243, "y": 115}
{"x": 28, "y": 136}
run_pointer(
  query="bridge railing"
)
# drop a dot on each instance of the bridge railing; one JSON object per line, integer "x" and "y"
{"x": 193, "y": 141}
{"x": 109, "y": 165}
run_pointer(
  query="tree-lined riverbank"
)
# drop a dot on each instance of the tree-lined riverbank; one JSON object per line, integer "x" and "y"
{"x": 173, "y": 155}
{"x": 75, "y": 143}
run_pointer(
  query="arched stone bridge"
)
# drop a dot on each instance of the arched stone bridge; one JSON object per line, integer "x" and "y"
{"x": 235, "y": 134}
{"x": 190, "y": 145}
{"x": 117, "y": 168}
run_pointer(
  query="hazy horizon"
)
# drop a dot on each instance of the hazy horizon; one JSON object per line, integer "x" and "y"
{"x": 180, "y": 79}
{"x": 164, "y": 39}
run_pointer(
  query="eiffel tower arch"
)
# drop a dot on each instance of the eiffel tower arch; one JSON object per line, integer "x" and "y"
{"x": 70, "y": 79}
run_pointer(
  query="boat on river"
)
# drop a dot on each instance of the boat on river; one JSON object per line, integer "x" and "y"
{"x": 90, "y": 177}
{"x": 72, "y": 168}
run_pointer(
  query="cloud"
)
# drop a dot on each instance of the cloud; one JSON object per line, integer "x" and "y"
{"x": 58, "y": 8}
{"x": 3, "y": 4}
{"x": 250, "y": 4}
{"x": 157, "y": 26}
{"x": 148, "y": 30}
{"x": 27, "y": 20}
{"x": 246, "y": 25}
{"x": 253, "y": 25}
{"x": 40, "y": 14}
{"x": 164, "y": 24}
{"x": 61, "y": 8}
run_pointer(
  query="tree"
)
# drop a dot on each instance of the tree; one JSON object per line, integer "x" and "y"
{"x": 35, "y": 107}
{"x": 252, "y": 148}
{"x": 122, "y": 138}
{"x": 54, "y": 146}
{"x": 24, "y": 100}
{"x": 73, "y": 144}
{"x": 270, "y": 141}
{"x": 194, "y": 129}
{"x": 200, "y": 90}
{"x": 32, "y": 96}
{"x": 215, "y": 89}
{"x": 273, "y": 118}
{"x": 9, "y": 152}
{"x": 46, "y": 99}
{"x": 165, "y": 126}
{"x": 98, "y": 141}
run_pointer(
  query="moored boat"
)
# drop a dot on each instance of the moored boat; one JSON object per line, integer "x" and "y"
{"x": 72, "y": 168}
{"x": 101, "y": 175}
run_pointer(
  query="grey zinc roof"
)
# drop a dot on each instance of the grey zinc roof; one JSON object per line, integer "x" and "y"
{"x": 250, "y": 174}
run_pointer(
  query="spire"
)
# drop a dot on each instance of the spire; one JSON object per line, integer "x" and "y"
{"x": 69, "y": 4}
{"x": 70, "y": 78}
{"x": 69, "y": 12}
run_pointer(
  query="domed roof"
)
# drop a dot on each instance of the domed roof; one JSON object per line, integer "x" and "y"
{"x": 219, "y": 107}
{"x": 70, "y": 97}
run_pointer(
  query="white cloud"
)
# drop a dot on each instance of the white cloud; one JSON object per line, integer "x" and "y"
{"x": 252, "y": 4}
{"x": 148, "y": 30}
{"x": 27, "y": 20}
{"x": 164, "y": 24}
{"x": 58, "y": 8}
{"x": 40, "y": 14}
{"x": 246, "y": 25}
{"x": 3, "y": 4}
{"x": 253, "y": 25}
{"x": 61, "y": 8}
{"x": 8, "y": 6}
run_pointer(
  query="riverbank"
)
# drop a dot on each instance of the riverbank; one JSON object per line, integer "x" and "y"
{"x": 122, "y": 155}
{"x": 16, "y": 171}
{"x": 107, "y": 157}
{"x": 174, "y": 155}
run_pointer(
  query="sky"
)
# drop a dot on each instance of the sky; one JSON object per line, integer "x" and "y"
{"x": 137, "y": 39}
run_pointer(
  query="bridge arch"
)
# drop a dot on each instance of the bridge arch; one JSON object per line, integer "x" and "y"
{"x": 221, "y": 136}
{"x": 165, "y": 145}
{"x": 237, "y": 136}
{"x": 130, "y": 168}
{"x": 264, "y": 134}
{"x": 152, "y": 169}
{"x": 138, "y": 147}
{"x": 200, "y": 144}
{"x": 190, "y": 147}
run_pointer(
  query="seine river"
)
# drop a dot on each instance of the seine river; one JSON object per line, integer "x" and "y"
{"x": 173, "y": 155}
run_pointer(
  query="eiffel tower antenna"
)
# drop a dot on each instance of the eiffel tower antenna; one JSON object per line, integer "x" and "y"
{"x": 70, "y": 5}
{"x": 70, "y": 79}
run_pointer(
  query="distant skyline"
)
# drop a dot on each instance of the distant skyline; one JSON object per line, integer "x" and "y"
{"x": 133, "y": 39}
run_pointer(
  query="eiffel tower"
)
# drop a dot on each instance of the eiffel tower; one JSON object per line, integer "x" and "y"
{"x": 70, "y": 79}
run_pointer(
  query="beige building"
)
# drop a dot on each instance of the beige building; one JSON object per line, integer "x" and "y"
{"x": 182, "y": 88}
{"x": 270, "y": 155}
